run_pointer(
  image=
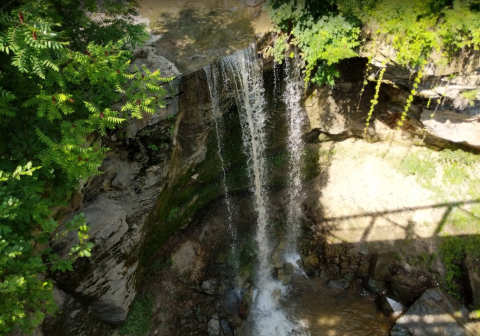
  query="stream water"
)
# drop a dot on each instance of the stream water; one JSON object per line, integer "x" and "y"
{"x": 303, "y": 307}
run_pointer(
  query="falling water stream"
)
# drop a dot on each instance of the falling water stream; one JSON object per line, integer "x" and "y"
{"x": 245, "y": 70}
{"x": 212, "y": 74}
{"x": 295, "y": 145}
{"x": 277, "y": 309}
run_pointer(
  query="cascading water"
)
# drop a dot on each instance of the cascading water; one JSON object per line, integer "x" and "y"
{"x": 245, "y": 72}
{"x": 215, "y": 89}
{"x": 248, "y": 88}
{"x": 295, "y": 144}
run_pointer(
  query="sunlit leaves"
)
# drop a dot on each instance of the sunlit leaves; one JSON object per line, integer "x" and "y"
{"x": 61, "y": 74}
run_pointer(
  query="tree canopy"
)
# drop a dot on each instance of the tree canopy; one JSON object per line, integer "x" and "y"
{"x": 62, "y": 67}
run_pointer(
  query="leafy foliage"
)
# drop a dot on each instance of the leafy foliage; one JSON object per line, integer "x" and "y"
{"x": 61, "y": 71}
{"x": 453, "y": 250}
{"x": 329, "y": 31}
{"x": 323, "y": 36}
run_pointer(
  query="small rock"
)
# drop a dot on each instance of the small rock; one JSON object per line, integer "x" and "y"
{"x": 278, "y": 257}
{"x": 338, "y": 284}
{"x": 288, "y": 267}
{"x": 352, "y": 253}
{"x": 210, "y": 286}
{"x": 363, "y": 269}
{"x": 198, "y": 249}
{"x": 310, "y": 264}
{"x": 214, "y": 326}
{"x": 226, "y": 329}
{"x": 376, "y": 286}
{"x": 364, "y": 249}
{"x": 285, "y": 278}
{"x": 349, "y": 276}
{"x": 59, "y": 296}
{"x": 199, "y": 315}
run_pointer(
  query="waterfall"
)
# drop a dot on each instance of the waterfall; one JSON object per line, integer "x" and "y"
{"x": 212, "y": 75}
{"x": 295, "y": 144}
{"x": 248, "y": 88}
{"x": 246, "y": 79}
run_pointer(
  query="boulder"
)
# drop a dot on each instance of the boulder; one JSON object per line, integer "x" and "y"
{"x": 434, "y": 313}
{"x": 402, "y": 293}
{"x": 408, "y": 286}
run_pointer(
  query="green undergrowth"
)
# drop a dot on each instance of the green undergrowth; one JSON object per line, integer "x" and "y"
{"x": 452, "y": 176}
{"x": 453, "y": 250}
{"x": 139, "y": 317}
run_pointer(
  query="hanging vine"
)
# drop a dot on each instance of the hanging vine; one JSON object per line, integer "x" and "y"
{"x": 367, "y": 71}
{"x": 412, "y": 94}
{"x": 365, "y": 81}
{"x": 374, "y": 101}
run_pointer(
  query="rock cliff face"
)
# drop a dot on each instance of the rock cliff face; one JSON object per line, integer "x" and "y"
{"x": 161, "y": 180}
{"x": 116, "y": 205}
